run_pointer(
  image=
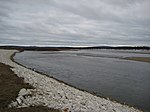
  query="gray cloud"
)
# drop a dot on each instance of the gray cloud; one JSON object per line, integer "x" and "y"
{"x": 78, "y": 22}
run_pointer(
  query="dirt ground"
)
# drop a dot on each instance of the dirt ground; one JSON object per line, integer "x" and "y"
{"x": 10, "y": 86}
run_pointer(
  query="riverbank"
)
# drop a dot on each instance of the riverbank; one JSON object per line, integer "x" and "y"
{"x": 10, "y": 85}
{"x": 142, "y": 59}
{"x": 51, "y": 93}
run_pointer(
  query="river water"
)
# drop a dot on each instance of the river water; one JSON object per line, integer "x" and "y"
{"x": 98, "y": 71}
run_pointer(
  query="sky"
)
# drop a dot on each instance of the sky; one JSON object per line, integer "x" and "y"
{"x": 74, "y": 22}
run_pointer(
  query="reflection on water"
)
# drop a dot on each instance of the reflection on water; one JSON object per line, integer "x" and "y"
{"x": 97, "y": 71}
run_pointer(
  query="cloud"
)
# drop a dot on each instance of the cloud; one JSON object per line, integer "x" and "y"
{"x": 78, "y": 22}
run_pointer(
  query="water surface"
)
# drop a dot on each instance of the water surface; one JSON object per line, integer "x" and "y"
{"x": 98, "y": 71}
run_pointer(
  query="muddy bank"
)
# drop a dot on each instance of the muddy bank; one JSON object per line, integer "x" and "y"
{"x": 142, "y": 59}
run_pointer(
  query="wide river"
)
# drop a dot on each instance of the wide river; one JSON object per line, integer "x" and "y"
{"x": 98, "y": 71}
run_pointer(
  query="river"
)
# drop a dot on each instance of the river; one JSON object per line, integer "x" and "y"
{"x": 98, "y": 71}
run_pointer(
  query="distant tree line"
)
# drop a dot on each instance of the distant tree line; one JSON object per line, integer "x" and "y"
{"x": 35, "y": 48}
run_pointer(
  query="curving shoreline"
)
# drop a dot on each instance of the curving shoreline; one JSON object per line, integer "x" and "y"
{"x": 51, "y": 93}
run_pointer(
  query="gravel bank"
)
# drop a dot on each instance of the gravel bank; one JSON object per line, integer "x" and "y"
{"x": 51, "y": 93}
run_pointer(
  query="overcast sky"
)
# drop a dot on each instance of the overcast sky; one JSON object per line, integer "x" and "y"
{"x": 75, "y": 22}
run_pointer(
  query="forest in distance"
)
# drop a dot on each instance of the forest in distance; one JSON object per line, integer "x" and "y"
{"x": 36, "y": 48}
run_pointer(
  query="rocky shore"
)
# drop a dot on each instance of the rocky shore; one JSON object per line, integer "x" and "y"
{"x": 54, "y": 94}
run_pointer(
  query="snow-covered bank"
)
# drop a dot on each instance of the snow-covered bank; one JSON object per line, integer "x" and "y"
{"x": 51, "y": 93}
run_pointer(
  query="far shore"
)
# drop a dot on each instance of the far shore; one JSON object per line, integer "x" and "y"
{"x": 125, "y": 48}
{"x": 36, "y": 48}
{"x": 142, "y": 59}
